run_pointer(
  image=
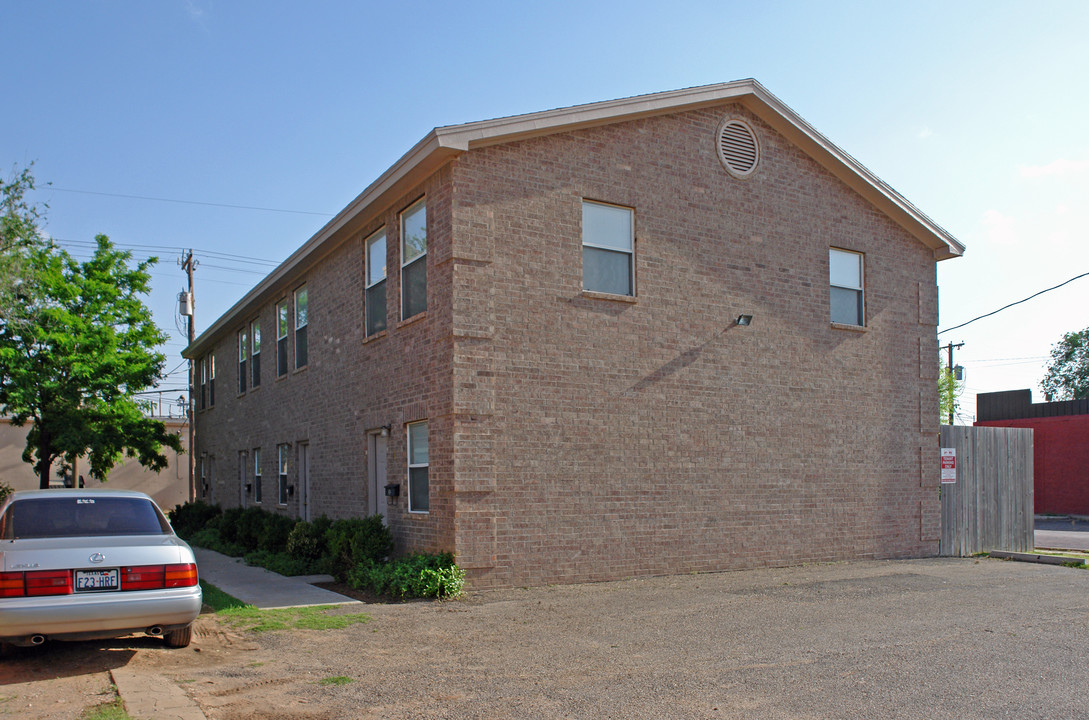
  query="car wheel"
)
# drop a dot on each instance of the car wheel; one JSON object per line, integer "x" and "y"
{"x": 179, "y": 638}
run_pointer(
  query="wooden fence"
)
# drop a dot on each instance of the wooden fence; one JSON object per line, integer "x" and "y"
{"x": 989, "y": 507}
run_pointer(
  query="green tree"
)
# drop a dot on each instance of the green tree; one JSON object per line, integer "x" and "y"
{"x": 949, "y": 390}
{"x": 1067, "y": 375}
{"x": 18, "y": 236}
{"x": 75, "y": 357}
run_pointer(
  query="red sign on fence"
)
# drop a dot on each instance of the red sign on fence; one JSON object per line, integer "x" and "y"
{"x": 949, "y": 465}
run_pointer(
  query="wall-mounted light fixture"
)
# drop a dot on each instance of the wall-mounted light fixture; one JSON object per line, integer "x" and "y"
{"x": 249, "y": 487}
{"x": 291, "y": 491}
{"x": 385, "y": 430}
{"x": 743, "y": 320}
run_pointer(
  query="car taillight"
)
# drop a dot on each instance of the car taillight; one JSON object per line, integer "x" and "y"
{"x": 184, "y": 575}
{"x": 48, "y": 582}
{"x": 11, "y": 584}
{"x": 144, "y": 577}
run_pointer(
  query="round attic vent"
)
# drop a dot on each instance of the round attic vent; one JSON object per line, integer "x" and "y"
{"x": 737, "y": 148}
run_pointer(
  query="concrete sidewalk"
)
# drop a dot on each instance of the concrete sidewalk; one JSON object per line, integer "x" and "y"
{"x": 263, "y": 588}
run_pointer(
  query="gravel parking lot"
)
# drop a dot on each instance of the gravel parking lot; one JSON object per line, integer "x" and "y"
{"x": 934, "y": 638}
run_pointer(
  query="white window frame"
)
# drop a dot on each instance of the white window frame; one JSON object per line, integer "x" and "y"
{"x": 283, "y": 327}
{"x": 257, "y": 476}
{"x": 282, "y": 468}
{"x": 243, "y": 355}
{"x": 369, "y": 281}
{"x": 630, "y": 251}
{"x": 421, "y": 258}
{"x": 860, "y": 288}
{"x": 417, "y": 466}
{"x": 255, "y": 351}
{"x": 302, "y": 326}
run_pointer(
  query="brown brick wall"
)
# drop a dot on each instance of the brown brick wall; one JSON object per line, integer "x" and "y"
{"x": 350, "y": 386}
{"x": 599, "y": 439}
{"x": 577, "y": 438}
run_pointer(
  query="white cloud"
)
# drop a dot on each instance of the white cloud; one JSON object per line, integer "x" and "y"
{"x": 925, "y": 133}
{"x": 999, "y": 229}
{"x": 1063, "y": 166}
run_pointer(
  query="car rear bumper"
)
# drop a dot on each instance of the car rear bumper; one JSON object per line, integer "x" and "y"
{"x": 97, "y": 615}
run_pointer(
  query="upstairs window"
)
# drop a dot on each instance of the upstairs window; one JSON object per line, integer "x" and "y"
{"x": 414, "y": 260}
{"x": 203, "y": 382}
{"x": 608, "y": 248}
{"x": 302, "y": 318}
{"x": 376, "y": 283}
{"x": 281, "y": 339}
{"x": 845, "y": 270}
{"x": 243, "y": 352}
{"x": 210, "y": 367}
{"x": 419, "y": 492}
{"x": 255, "y": 353}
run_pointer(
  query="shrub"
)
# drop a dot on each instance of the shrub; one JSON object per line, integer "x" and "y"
{"x": 192, "y": 516}
{"x": 5, "y": 490}
{"x": 250, "y": 527}
{"x": 211, "y": 538}
{"x": 281, "y": 562}
{"x": 307, "y": 539}
{"x": 275, "y": 532}
{"x": 357, "y": 540}
{"x": 228, "y": 523}
{"x": 418, "y": 575}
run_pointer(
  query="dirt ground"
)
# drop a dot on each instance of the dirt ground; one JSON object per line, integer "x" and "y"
{"x": 936, "y": 638}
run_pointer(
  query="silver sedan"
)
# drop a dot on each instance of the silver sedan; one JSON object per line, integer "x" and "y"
{"x": 92, "y": 564}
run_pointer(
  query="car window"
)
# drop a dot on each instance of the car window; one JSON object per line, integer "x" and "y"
{"x": 76, "y": 516}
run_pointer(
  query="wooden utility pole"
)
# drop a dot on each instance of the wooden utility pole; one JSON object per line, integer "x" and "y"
{"x": 187, "y": 305}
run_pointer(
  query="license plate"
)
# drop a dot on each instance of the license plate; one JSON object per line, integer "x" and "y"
{"x": 89, "y": 580}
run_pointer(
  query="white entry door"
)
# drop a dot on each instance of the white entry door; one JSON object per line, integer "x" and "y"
{"x": 376, "y": 471}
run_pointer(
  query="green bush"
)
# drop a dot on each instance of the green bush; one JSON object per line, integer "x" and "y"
{"x": 228, "y": 525}
{"x": 281, "y": 562}
{"x": 192, "y": 516}
{"x": 5, "y": 490}
{"x": 307, "y": 539}
{"x": 416, "y": 576}
{"x": 275, "y": 532}
{"x": 211, "y": 538}
{"x": 250, "y": 527}
{"x": 354, "y": 541}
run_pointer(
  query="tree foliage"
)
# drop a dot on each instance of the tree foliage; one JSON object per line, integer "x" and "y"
{"x": 949, "y": 391}
{"x": 74, "y": 354}
{"x": 18, "y": 236}
{"x": 1067, "y": 375}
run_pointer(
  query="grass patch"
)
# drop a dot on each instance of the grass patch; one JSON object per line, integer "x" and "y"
{"x": 336, "y": 680}
{"x": 218, "y": 600}
{"x": 317, "y": 617}
{"x": 114, "y": 710}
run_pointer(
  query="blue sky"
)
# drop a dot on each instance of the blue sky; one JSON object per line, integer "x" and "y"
{"x": 975, "y": 111}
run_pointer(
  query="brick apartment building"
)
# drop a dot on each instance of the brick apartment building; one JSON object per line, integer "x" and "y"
{"x": 536, "y": 331}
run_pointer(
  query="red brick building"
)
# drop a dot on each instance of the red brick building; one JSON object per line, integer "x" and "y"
{"x": 669, "y": 333}
{"x": 1060, "y": 446}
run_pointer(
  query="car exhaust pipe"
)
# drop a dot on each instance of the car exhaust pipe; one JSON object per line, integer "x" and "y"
{"x": 37, "y": 639}
{"x": 154, "y": 630}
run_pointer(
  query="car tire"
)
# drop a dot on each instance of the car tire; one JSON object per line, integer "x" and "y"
{"x": 179, "y": 638}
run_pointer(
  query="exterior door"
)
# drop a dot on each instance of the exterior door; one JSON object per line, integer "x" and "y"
{"x": 304, "y": 481}
{"x": 376, "y": 472}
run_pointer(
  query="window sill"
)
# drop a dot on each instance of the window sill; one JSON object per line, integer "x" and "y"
{"x": 419, "y": 513}
{"x": 609, "y": 296}
{"x": 850, "y": 328}
{"x": 414, "y": 319}
{"x": 298, "y": 370}
{"x": 377, "y": 336}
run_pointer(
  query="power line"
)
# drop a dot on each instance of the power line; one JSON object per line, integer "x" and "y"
{"x": 189, "y": 202}
{"x": 955, "y": 327}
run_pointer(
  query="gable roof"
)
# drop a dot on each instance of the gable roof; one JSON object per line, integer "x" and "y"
{"x": 444, "y": 143}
